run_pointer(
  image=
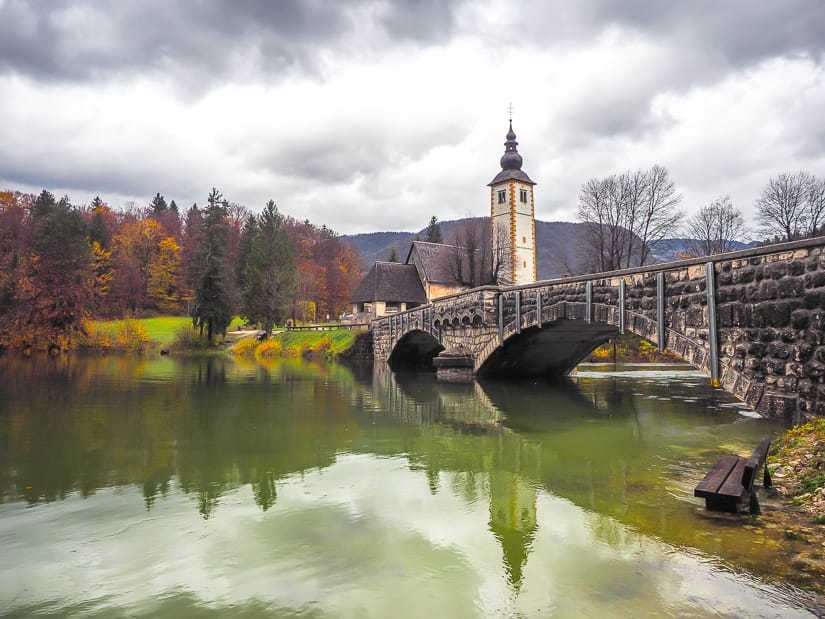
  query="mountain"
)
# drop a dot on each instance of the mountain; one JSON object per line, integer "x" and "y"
{"x": 668, "y": 250}
{"x": 560, "y": 250}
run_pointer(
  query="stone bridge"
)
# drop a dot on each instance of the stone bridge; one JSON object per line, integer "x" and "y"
{"x": 751, "y": 320}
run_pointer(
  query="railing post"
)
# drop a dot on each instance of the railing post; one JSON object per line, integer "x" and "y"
{"x": 500, "y": 318}
{"x": 621, "y": 305}
{"x": 538, "y": 308}
{"x": 713, "y": 335}
{"x": 660, "y": 309}
{"x": 588, "y": 308}
{"x": 518, "y": 311}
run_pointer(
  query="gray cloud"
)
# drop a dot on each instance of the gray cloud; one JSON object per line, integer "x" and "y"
{"x": 79, "y": 40}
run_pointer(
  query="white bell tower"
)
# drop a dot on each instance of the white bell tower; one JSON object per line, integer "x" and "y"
{"x": 512, "y": 219}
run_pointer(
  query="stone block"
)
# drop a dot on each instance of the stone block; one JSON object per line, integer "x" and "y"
{"x": 797, "y": 267}
{"x": 777, "y": 270}
{"x": 815, "y": 370}
{"x": 791, "y": 287}
{"x": 767, "y": 335}
{"x": 800, "y": 319}
{"x": 803, "y": 352}
{"x": 780, "y": 351}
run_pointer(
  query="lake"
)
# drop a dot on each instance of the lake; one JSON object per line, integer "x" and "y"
{"x": 208, "y": 487}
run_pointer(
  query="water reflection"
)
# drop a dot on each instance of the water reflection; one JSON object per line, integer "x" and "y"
{"x": 510, "y": 497}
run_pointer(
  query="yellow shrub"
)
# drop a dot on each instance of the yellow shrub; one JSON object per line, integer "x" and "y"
{"x": 132, "y": 335}
{"x": 268, "y": 349}
{"x": 246, "y": 347}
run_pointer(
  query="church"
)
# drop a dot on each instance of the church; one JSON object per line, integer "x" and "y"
{"x": 430, "y": 269}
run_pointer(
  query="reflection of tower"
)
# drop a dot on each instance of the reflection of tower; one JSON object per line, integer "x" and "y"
{"x": 512, "y": 519}
{"x": 512, "y": 218}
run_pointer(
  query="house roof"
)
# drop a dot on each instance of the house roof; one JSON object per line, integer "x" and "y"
{"x": 391, "y": 281}
{"x": 435, "y": 259}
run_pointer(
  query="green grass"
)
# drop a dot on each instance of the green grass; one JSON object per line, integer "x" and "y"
{"x": 161, "y": 330}
{"x": 326, "y": 343}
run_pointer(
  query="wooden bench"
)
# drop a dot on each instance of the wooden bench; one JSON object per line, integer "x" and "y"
{"x": 730, "y": 481}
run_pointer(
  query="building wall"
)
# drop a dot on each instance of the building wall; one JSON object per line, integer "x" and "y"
{"x": 518, "y": 219}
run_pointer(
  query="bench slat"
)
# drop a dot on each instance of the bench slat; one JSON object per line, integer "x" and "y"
{"x": 733, "y": 484}
{"x": 709, "y": 486}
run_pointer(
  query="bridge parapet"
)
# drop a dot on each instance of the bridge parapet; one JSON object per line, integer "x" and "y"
{"x": 754, "y": 321}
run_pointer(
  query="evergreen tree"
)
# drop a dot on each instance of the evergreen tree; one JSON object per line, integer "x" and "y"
{"x": 433, "y": 232}
{"x": 213, "y": 291}
{"x": 269, "y": 273}
{"x": 393, "y": 256}
{"x": 98, "y": 231}
{"x": 173, "y": 207}
{"x": 248, "y": 231}
{"x": 57, "y": 289}
{"x": 158, "y": 205}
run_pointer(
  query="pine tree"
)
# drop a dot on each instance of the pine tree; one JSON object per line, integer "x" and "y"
{"x": 433, "y": 232}
{"x": 158, "y": 205}
{"x": 269, "y": 273}
{"x": 213, "y": 291}
{"x": 56, "y": 292}
{"x": 393, "y": 256}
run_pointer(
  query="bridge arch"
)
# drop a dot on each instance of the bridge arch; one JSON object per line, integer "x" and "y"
{"x": 414, "y": 349}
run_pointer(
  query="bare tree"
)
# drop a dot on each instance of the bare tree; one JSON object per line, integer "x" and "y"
{"x": 500, "y": 270}
{"x": 474, "y": 257}
{"x": 791, "y": 206}
{"x": 626, "y": 214}
{"x": 714, "y": 227}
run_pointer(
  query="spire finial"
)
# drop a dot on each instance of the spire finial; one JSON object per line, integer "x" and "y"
{"x": 510, "y": 111}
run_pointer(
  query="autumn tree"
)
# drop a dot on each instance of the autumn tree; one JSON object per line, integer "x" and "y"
{"x": 212, "y": 308}
{"x": 626, "y": 214}
{"x": 134, "y": 249}
{"x": 162, "y": 287}
{"x": 791, "y": 206}
{"x": 13, "y": 243}
{"x": 714, "y": 228}
{"x": 269, "y": 272}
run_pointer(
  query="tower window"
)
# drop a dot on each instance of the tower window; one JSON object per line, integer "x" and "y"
{"x": 502, "y": 196}
{"x": 524, "y": 264}
{"x": 522, "y": 195}
{"x": 524, "y": 240}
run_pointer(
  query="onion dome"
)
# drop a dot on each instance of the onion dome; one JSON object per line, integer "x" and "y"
{"x": 511, "y": 160}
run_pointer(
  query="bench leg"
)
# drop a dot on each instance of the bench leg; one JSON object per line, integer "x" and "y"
{"x": 754, "y": 502}
{"x": 766, "y": 480}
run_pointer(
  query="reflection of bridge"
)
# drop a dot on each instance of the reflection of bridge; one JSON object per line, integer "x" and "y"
{"x": 751, "y": 320}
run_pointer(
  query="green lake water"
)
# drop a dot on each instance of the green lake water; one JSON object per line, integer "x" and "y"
{"x": 169, "y": 487}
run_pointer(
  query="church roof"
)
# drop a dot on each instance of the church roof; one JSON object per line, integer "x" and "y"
{"x": 435, "y": 260}
{"x": 391, "y": 281}
{"x": 511, "y": 162}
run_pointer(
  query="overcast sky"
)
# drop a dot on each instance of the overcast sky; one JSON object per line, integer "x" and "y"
{"x": 367, "y": 115}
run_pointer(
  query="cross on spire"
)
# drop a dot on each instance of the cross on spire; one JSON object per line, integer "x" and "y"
{"x": 510, "y": 110}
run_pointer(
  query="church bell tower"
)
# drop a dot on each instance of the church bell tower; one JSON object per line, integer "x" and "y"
{"x": 512, "y": 219}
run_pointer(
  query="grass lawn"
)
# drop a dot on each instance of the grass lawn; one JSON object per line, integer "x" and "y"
{"x": 161, "y": 330}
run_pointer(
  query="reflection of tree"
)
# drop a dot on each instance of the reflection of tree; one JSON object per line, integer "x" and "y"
{"x": 264, "y": 490}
